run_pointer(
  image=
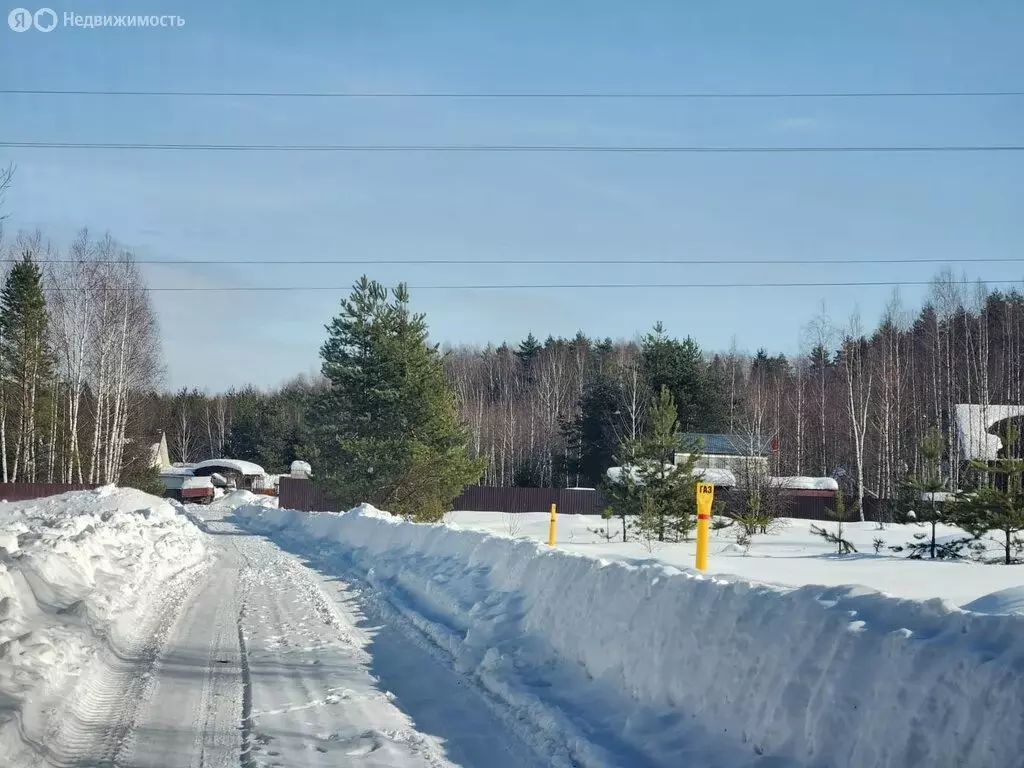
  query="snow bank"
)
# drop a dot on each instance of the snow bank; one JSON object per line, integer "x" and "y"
{"x": 1005, "y": 601}
{"x": 648, "y": 665}
{"x": 229, "y": 502}
{"x": 70, "y": 566}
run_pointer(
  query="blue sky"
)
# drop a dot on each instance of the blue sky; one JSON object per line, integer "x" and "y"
{"x": 485, "y": 207}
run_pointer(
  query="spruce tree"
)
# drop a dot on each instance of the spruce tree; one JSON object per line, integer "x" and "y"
{"x": 388, "y": 428}
{"x": 590, "y": 436}
{"x": 26, "y": 361}
{"x": 529, "y": 348}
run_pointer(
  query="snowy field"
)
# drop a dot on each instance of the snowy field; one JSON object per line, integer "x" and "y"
{"x": 792, "y": 557}
{"x": 608, "y": 663}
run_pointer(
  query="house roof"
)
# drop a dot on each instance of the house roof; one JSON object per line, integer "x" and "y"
{"x": 727, "y": 445}
{"x": 245, "y": 468}
{"x": 974, "y": 423}
{"x": 720, "y": 477}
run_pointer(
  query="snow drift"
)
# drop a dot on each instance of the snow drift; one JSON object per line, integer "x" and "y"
{"x": 649, "y": 665}
{"x": 71, "y": 568}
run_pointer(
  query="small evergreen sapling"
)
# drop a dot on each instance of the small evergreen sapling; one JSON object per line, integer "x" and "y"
{"x": 843, "y": 546}
{"x": 925, "y": 490}
{"x": 654, "y": 497}
{"x": 668, "y": 491}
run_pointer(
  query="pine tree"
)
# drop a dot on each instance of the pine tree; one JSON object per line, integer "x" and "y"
{"x": 26, "y": 361}
{"x": 926, "y": 488}
{"x": 843, "y": 546}
{"x": 700, "y": 396}
{"x": 388, "y": 429}
{"x": 259, "y": 431}
{"x": 998, "y": 505}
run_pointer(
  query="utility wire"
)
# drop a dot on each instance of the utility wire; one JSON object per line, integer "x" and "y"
{"x": 548, "y": 286}
{"x": 536, "y": 262}
{"x": 506, "y": 148}
{"x": 667, "y": 95}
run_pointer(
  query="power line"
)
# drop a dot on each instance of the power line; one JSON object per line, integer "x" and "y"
{"x": 538, "y": 262}
{"x": 506, "y": 148}
{"x": 547, "y": 286}
{"x": 611, "y": 95}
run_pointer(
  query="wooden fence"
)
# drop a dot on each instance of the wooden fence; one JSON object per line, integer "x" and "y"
{"x": 29, "y": 491}
{"x": 306, "y": 495}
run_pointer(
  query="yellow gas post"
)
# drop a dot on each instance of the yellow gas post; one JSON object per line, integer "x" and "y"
{"x": 551, "y": 527}
{"x": 705, "y": 498}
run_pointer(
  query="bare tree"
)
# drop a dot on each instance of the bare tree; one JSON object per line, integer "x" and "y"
{"x": 820, "y": 333}
{"x": 858, "y": 375}
{"x": 6, "y": 175}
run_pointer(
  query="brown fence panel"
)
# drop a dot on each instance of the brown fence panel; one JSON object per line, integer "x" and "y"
{"x": 29, "y": 491}
{"x": 306, "y": 495}
{"x": 482, "y": 498}
{"x": 814, "y": 507}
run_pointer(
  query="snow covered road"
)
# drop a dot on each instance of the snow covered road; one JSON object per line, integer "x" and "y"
{"x": 257, "y": 637}
{"x": 251, "y": 658}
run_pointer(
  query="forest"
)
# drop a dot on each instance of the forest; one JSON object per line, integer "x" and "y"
{"x": 79, "y": 354}
{"x": 854, "y": 403}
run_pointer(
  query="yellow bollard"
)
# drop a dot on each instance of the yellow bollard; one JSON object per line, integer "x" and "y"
{"x": 551, "y": 527}
{"x": 705, "y": 498}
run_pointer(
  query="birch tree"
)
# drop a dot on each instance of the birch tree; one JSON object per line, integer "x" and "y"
{"x": 858, "y": 376}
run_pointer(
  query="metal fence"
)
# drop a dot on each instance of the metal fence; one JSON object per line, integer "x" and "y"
{"x": 29, "y": 491}
{"x": 307, "y": 495}
{"x": 570, "y": 501}
{"x": 812, "y": 506}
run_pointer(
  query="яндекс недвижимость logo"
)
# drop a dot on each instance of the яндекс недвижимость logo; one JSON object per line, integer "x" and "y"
{"x": 46, "y": 20}
{"x": 22, "y": 19}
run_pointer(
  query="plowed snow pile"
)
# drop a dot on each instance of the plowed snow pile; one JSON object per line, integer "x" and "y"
{"x": 73, "y": 570}
{"x": 652, "y": 666}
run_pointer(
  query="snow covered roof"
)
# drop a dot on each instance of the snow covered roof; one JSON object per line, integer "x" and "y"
{"x": 806, "y": 483}
{"x": 185, "y": 481}
{"x": 938, "y": 497}
{"x": 175, "y": 472}
{"x": 727, "y": 445}
{"x": 721, "y": 477}
{"x": 245, "y": 468}
{"x": 974, "y": 423}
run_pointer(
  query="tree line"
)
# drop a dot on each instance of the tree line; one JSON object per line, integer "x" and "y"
{"x": 79, "y": 354}
{"x": 855, "y": 404}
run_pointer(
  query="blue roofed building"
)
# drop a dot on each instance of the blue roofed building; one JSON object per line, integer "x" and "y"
{"x": 743, "y": 455}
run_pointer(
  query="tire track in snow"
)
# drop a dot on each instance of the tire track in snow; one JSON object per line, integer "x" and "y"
{"x": 245, "y": 758}
{"x": 92, "y": 725}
